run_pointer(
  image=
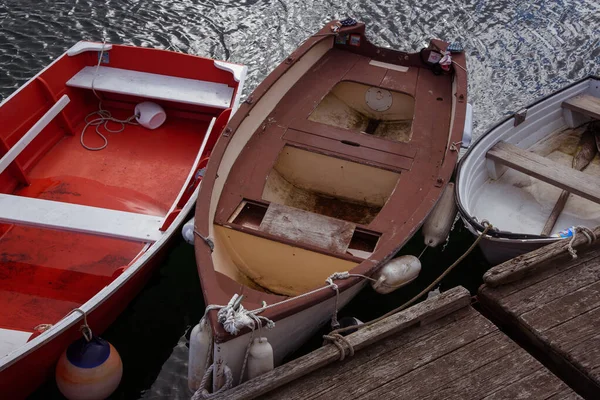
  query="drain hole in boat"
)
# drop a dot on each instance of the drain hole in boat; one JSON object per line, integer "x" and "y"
{"x": 328, "y": 185}
{"x": 362, "y": 108}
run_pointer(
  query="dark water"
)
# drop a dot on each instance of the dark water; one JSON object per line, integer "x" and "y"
{"x": 517, "y": 52}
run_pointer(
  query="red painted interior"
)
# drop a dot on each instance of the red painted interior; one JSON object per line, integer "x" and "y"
{"x": 45, "y": 273}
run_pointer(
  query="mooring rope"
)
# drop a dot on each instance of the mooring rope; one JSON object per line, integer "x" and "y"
{"x": 587, "y": 232}
{"x": 487, "y": 227}
{"x": 203, "y": 393}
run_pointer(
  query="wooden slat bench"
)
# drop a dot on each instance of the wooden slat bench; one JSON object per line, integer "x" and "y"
{"x": 585, "y": 104}
{"x": 154, "y": 86}
{"x": 544, "y": 169}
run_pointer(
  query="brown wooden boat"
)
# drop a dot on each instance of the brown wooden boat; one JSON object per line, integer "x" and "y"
{"x": 332, "y": 164}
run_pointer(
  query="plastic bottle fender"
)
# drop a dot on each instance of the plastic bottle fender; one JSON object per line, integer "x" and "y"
{"x": 260, "y": 357}
{"x": 187, "y": 231}
{"x": 439, "y": 222}
{"x": 396, "y": 273}
{"x": 200, "y": 344}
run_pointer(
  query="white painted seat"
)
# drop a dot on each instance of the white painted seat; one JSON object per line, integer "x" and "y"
{"x": 77, "y": 218}
{"x": 11, "y": 340}
{"x": 154, "y": 86}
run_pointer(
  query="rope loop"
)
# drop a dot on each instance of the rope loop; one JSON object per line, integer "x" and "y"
{"x": 339, "y": 341}
{"x": 203, "y": 393}
{"x": 85, "y": 329}
{"x": 587, "y": 232}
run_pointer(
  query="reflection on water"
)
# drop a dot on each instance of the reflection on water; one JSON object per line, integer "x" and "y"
{"x": 517, "y": 51}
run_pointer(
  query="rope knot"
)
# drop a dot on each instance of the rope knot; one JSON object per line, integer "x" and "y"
{"x": 587, "y": 232}
{"x": 339, "y": 341}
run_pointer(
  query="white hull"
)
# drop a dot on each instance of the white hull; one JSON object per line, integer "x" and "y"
{"x": 287, "y": 335}
{"x": 518, "y": 205}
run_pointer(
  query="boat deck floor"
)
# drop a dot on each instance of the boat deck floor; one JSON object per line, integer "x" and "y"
{"x": 46, "y": 273}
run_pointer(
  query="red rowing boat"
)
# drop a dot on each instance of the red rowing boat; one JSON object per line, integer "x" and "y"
{"x": 84, "y": 229}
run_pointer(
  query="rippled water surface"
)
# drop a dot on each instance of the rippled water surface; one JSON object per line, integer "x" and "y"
{"x": 517, "y": 52}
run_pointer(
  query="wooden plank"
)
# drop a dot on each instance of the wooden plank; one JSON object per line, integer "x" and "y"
{"x": 308, "y": 228}
{"x": 444, "y": 304}
{"x": 556, "y": 308}
{"x": 367, "y": 155}
{"x": 484, "y": 381}
{"x": 551, "y": 314}
{"x": 154, "y": 86}
{"x": 546, "y": 170}
{"x": 560, "y": 285}
{"x": 538, "y": 385}
{"x": 368, "y": 372}
{"x": 529, "y": 264}
{"x": 31, "y": 134}
{"x": 584, "y": 104}
{"x": 77, "y": 218}
{"x": 445, "y": 370}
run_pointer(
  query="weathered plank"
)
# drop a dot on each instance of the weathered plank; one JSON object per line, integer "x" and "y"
{"x": 556, "y": 309}
{"x": 584, "y": 104}
{"x": 305, "y": 227}
{"x": 528, "y": 264}
{"x": 571, "y": 305}
{"x": 486, "y": 380}
{"x": 444, "y": 304}
{"x": 538, "y": 385}
{"x": 342, "y": 373}
{"x": 547, "y": 170}
{"x": 553, "y": 288}
{"x": 444, "y": 370}
{"x": 370, "y": 373}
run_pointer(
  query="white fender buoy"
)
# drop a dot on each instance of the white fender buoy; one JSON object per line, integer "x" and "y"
{"x": 200, "y": 344}
{"x": 260, "y": 357}
{"x": 439, "y": 222}
{"x": 187, "y": 231}
{"x": 150, "y": 115}
{"x": 396, "y": 273}
{"x": 89, "y": 370}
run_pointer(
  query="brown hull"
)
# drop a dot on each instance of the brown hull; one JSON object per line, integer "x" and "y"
{"x": 332, "y": 164}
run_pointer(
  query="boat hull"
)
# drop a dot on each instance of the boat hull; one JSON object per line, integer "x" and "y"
{"x": 286, "y": 337}
{"x": 515, "y": 204}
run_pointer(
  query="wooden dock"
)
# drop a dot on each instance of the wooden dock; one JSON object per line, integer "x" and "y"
{"x": 551, "y": 302}
{"x": 439, "y": 348}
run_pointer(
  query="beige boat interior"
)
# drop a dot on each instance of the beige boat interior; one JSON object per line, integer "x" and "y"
{"x": 371, "y": 110}
{"x": 271, "y": 266}
{"x": 349, "y": 191}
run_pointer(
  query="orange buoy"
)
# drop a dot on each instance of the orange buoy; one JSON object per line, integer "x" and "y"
{"x": 89, "y": 369}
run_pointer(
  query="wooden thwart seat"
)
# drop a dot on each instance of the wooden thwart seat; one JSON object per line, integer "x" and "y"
{"x": 585, "y": 104}
{"x": 154, "y": 86}
{"x": 77, "y": 218}
{"x": 544, "y": 169}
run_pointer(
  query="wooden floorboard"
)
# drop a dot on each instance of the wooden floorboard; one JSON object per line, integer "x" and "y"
{"x": 559, "y": 315}
{"x": 459, "y": 356}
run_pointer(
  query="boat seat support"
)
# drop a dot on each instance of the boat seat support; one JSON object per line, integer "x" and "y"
{"x": 31, "y": 134}
{"x": 50, "y": 214}
{"x": 546, "y": 170}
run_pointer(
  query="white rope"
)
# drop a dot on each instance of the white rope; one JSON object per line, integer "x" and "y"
{"x": 203, "y": 393}
{"x": 85, "y": 329}
{"x": 104, "y": 116}
{"x": 587, "y": 232}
